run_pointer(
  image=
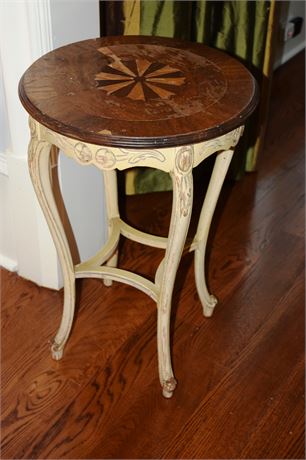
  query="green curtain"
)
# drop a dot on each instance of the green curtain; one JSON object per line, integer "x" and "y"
{"x": 238, "y": 27}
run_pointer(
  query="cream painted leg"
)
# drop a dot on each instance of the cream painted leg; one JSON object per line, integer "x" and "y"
{"x": 180, "y": 219}
{"x": 39, "y": 161}
{"x": 200, "y": 240}
{"x": 111, "y": 195}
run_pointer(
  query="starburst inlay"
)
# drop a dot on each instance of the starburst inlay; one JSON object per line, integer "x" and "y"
{"x": 139, "y": 79}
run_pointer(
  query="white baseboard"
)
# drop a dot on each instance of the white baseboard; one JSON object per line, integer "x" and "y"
{"x": 292, "y": 52}
{"x": 8, "y": 263}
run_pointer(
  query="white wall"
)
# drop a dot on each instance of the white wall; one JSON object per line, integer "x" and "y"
{"x": 82, "y": 188}
{"x": 7, "y": 242}
{"x": 74, "y": 20}
{"x": 26, "y": 243}
{"x": 4, "y": 127}
{"x": 286, "y": 50}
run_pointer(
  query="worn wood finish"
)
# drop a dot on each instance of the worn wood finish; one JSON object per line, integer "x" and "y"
{"x": 242, "y": 370}
{"x": 144, "y": 92}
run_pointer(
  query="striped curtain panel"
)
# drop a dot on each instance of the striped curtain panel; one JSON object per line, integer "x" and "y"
{"x": 241, "y": 28}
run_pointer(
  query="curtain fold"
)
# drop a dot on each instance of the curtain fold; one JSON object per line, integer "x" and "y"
{"x": 237, "y": 27}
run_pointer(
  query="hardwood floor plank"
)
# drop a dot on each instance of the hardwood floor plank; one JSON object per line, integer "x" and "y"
{"x": 224, "y": 422}
{"x": 286, "y": 419}
{"x": 204, "y": 352}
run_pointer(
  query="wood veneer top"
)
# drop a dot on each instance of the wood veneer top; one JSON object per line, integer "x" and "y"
{"x": 138, "y": 91}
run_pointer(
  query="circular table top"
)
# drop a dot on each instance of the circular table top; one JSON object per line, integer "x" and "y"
{"x": 135, "y": 91}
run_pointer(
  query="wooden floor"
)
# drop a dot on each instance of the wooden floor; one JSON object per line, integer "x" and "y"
{"x": 241, "y": 373}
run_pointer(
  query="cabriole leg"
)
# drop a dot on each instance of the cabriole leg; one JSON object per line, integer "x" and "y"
{"x": 221, "y": 166}
{"x": 111, "y": 197}
{"x": 180, "y": 219}
{"x": 39, "y": 162}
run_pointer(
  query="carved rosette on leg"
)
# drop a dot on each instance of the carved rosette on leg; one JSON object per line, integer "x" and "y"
{"x": 180, "y": 219}
{"x": 184, "y": 164}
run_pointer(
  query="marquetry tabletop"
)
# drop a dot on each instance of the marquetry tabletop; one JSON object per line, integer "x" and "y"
{"x": 134, "y": 91}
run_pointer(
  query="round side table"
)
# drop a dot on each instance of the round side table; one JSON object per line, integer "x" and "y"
{"x": 127, "y": 101}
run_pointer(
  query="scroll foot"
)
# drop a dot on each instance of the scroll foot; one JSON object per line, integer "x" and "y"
{"x": 208, "y": 308}
{"x": 57, "y": 352}
{"x": 169, "y": 387}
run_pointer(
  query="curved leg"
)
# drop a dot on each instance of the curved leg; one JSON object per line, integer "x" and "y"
{"x": 180, "y": 218}
{"x": 218, "y": 175}
{"x": 39, "y": 161}
{"x": 111, "y": 196}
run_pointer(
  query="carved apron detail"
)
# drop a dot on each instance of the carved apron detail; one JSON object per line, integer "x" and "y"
{"x": 103, "y": 157}
{"x": 224, "y": 142}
